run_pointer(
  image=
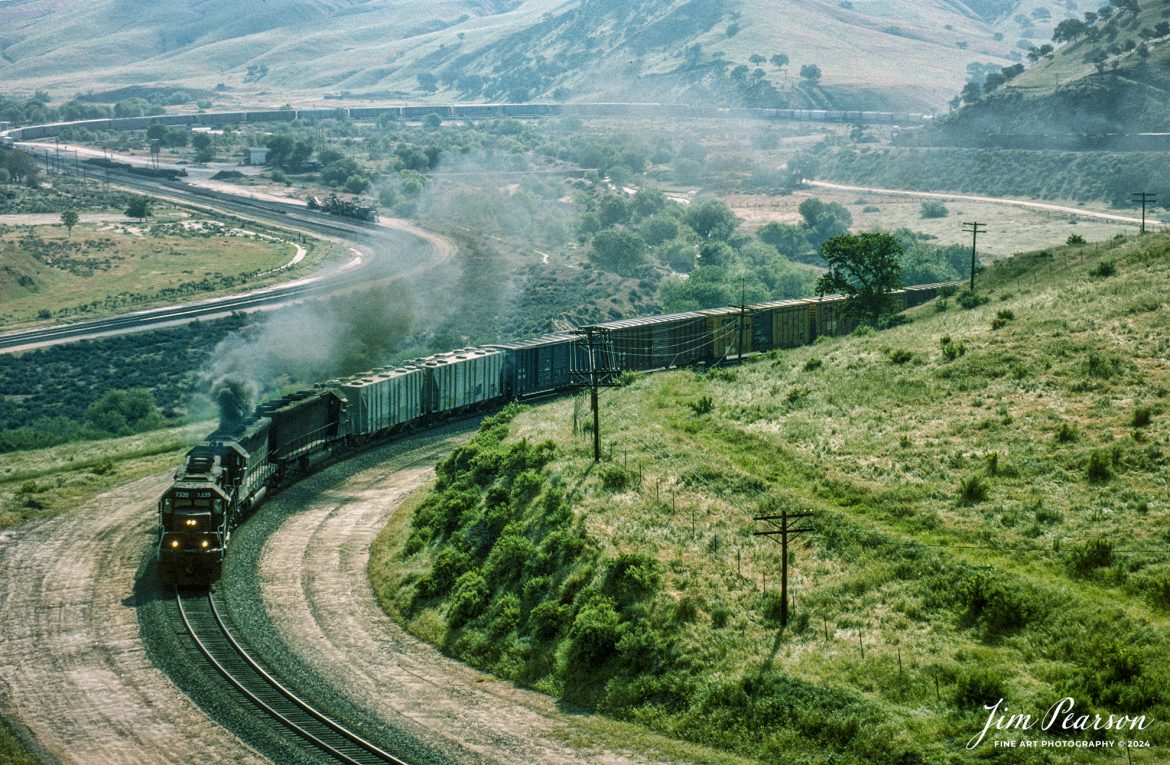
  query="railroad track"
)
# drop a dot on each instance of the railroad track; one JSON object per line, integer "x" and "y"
{"x": 215, "y": 641}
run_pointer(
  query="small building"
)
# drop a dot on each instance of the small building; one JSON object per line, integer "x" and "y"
{"x": 255, "y": 155}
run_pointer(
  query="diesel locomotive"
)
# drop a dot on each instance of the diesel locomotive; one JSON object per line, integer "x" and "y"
{"x": 245, "y": 459}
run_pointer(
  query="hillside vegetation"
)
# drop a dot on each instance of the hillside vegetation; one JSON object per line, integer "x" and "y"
{"x": 988, "y": 491}
{"x": 908, "y": 54}
{"x": 1110, "y": 75}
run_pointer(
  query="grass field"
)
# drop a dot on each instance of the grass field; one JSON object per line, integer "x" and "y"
{"x": 989, "y": 508}
{"x": 112, "y": 267}
{"x": 44, "y": 482}
{"x": 1010, "y": 229}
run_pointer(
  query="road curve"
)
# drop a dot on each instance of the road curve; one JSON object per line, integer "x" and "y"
{"x": 373, "y": 244}
{"x": 74, "y": 674}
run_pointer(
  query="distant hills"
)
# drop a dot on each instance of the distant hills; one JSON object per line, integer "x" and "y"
{"x": 896, "y": 54}
{"x": 1110, "y": 76}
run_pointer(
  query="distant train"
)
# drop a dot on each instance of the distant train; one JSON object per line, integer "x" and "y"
{"x": 236, "y": 467}
{"x": 473, "y": 111}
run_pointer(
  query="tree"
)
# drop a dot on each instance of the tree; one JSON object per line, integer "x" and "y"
{"x": 712, "y": 220}
{"x": 779, "y": 60}
{"x": 1069, "y": 30}
{"x": 811, "y": 74}
{"x": 69, "y": 218}
{"x": 617, "y": 250}
{"x": 139, "y": 207}
{"x": 865, "y": 268}
{"x": 756, "y": 59}
{"x": 823, "y": 221}
{"x": 788, "y": 240}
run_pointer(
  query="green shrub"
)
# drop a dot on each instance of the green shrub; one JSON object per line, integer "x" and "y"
{"x": 933, "y": 209}
{"x": 969, "y": 299}
{"x": 978, "y": 687}
{"x": 1086, "y": 558}
{"x": 705, "y": 405}
{"x": 771, "y": 605}
{"x": 1074, "y": 240}
{"x": 1100, "y": 468}
{"x": 900, "y": 356}
{"x": 721, "y": 615}
{"x": 630, "y": 577}
{"x": 469, "y": 598}
{"x": 548, "y": 619}
{"x": 998, "y": 607}
{"x": 950, "y": 349}
{"x": 1141, "y": 417}
{"x": 686, "y": 610}
{"x": 1002, "y": 318}
{"x": 1104, "y": 269}
{"x": 594, "y": 634}
{"x": 614, "y": 477}
{"x": 813, "y": 364}
{"x": 1065, "y": 434}
{"x": 972, "y": 489}
{"x": 948, "y": 290}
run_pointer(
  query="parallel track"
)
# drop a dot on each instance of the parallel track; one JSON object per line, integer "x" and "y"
{"x": 202, "y": 621}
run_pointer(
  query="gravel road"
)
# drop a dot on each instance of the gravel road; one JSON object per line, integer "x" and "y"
{"x": 73, "y": 672}
{"x": 316, "y": 590}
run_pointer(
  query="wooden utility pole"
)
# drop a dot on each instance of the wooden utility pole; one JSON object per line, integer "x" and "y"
{"x": 742, "y": 319}
{"x": 597, "y": 376}
{"x": 779, "y": 527}
{"x": 974, "y": 229}
{"x": 1144, "y": 197}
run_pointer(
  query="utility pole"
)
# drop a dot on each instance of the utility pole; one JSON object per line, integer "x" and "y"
{"x": 1144, "y": 197}
{"x": 779, "y": 527}
{"x": 595, "y": 378}
{"x": 974, "y": 229}
{"x": 742, "y": 319}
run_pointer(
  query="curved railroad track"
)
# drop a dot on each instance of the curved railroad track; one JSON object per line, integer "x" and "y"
{"x": 201, "y": 619}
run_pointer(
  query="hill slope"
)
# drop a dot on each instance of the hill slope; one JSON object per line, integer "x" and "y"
{"x": 1112, "y": 78}
{"x": 909, "y": 54}
{"x": 989, "y": 504}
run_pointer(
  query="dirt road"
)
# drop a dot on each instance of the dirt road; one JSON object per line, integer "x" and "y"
{"x": 317, "y": 594}
{"x": 73, "y": 671}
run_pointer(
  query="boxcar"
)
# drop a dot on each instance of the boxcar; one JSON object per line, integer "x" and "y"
{"x": 657, "y": 342}
{"x": 542, "y": 364}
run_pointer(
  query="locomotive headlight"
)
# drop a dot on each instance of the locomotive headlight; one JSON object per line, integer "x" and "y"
{"x": 205, "y": 544}
{"x": 174, "y": 543}
{"x": 192, "y": 522}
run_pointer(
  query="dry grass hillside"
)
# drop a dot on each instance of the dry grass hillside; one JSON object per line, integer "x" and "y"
{"x": 872, "y": 53}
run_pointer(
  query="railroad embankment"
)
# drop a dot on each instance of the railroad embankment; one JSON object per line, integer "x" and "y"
{"x": 985, "y": 499}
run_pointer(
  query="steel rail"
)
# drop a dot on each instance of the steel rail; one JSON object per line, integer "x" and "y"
{"x": 217, "y": 644}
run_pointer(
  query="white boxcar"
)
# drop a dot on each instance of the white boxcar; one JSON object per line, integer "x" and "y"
{"x": 462, "y": 379}
{"x": 385, "y": 398}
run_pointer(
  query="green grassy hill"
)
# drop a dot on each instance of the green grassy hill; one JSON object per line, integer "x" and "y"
{"x": 989, "y": 503}
{"x": 873, "y": 53}
{"x": 1112, "y": 78}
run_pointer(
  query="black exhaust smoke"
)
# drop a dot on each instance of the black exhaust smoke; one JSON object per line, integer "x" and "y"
{"x": 235, "y": 395}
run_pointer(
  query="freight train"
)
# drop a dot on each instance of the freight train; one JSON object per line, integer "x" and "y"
{"x": 226, "y": 476}
{"x": 474, "y": 111}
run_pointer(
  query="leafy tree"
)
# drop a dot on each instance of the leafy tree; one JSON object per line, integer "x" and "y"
{"x": 658, "y": 229}
{"x": 779, "y": 60}
{"x": 811, "y": 74}
{"x": 647, "y": 202}
{"x": 865, "y": 268}
{"x": 201, "y": 140}
{"x": 338, "y": 172}
{"x": 612, "y": 210}
{"x": 617, "y": 250}
{"x": 790, "y": 241}
{"x": 1069, "y": 30}
{"x": 140, "y": 208}
{"x": 120, "y": 412}
{"x": 69, "y": 218}
{"x": 712, "y": 219}
{"x": 288, "y": 153}
{"x": 824, "y": 220}
{"x": 756, "y": 59}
